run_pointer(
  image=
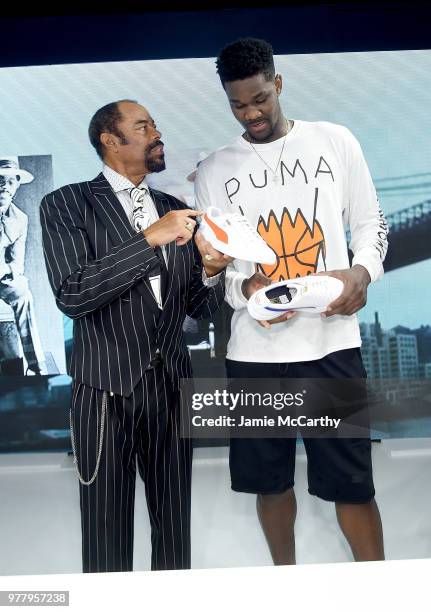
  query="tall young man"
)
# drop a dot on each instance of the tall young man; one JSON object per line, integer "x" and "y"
{"x": 299, "y": 183}
{"x": 122, "y": 264}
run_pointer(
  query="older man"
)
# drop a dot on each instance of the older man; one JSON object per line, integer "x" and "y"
{"x": 122, "y": 263}
{"x": 14, "y": 289}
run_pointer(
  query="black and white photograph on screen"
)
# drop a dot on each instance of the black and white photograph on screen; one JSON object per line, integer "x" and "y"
{"x": 31, "y": 328}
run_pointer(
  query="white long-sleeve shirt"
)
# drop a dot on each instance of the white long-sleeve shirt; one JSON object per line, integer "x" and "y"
{"x": 323, "y": 187}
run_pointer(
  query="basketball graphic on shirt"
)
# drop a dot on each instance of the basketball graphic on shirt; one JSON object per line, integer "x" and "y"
{"x": 297, "y": 245}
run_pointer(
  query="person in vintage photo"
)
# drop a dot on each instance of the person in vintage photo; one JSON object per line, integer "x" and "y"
{"x": 14, "y": 286}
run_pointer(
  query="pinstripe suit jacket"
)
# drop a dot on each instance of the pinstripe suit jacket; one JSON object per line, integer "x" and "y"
{"x": 98, "y": 268}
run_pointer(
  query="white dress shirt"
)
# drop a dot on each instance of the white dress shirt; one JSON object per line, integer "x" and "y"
{"x": 121, "y": 187}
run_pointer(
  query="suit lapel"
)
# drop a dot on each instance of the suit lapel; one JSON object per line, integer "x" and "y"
{"x": 109, "y": 210}
{"x": 112, "y": 215}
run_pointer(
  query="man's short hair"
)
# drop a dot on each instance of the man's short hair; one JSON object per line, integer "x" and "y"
{"x": 245, "y": 58}
{"x": 105, "y": 120}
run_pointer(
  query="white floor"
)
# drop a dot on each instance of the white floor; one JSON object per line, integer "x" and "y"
{"x": 40, "y": 523}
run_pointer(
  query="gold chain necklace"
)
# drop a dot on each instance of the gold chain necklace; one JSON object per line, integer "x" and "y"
{"x": 275, "y": 177}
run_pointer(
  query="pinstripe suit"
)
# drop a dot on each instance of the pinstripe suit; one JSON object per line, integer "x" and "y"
{"x": 98, "y": 267}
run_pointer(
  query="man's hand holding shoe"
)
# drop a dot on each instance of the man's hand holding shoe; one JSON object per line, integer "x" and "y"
{"x": 213, "y": 261}
{"x": 253, "y": 284}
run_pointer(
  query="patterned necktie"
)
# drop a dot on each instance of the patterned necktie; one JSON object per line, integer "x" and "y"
{"x": 141, "y": 216}
{"x": 141, "y": 220}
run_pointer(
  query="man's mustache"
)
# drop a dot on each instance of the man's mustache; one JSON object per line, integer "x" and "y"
{"x": 153, "y": 145}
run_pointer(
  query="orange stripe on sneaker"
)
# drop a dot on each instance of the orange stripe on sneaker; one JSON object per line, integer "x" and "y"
{"x": 220, "y": 234}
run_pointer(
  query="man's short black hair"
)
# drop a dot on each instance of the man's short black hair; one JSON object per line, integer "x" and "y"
{"x": 105, "y": 120}
{"x": 245, "y": 58}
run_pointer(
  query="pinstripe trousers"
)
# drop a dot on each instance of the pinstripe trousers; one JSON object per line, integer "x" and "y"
{"x": 141, "y": 430}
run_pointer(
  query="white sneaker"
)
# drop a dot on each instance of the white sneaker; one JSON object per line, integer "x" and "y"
{"x": 305, "y": 294}
{"x": 232, "y": 234}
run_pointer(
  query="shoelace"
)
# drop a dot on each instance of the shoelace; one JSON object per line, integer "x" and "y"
{"x": 245, "y": 223}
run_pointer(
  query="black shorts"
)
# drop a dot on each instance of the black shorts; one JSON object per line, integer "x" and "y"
{"x": 339, "y": 469}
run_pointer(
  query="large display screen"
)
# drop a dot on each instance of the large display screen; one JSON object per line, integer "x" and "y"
{"x": 382, "y": 97}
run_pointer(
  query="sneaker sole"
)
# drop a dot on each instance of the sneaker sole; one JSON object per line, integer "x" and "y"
{"x": 263, "y": 313}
